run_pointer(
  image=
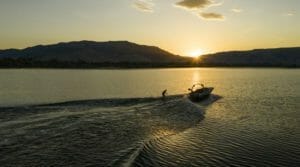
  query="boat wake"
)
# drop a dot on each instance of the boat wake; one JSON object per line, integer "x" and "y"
{"x": 93, "y": 132}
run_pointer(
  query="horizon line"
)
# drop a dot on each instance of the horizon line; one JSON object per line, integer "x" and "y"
{"x": 224, "y": 51}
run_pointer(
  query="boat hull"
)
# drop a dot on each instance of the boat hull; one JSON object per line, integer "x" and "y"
{"x": 200, "y": 94}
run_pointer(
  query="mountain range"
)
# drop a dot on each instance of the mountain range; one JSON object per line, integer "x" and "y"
{"x": 278, "y": 57}
{"x": 90, "y": 54}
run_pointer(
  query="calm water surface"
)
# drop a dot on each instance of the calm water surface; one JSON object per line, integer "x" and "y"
{"x": 115, "y": 118}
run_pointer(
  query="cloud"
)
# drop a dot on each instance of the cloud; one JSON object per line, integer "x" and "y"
{"x": 211, "y": 16}
{"x": 194, "y": 4}
{"x": 201, "y": 5}
{"x": 236, "y": 10}
{"x": 143, "y": 5}
{"x": 290, "y": 14}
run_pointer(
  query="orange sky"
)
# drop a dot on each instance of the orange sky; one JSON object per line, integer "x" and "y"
{"x": 185, "y": 27}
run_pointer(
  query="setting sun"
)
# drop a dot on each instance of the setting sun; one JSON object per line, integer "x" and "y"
{"x": 196, "y": 53}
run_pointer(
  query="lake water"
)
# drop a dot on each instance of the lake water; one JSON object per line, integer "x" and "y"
{"x": 116, "y": 118}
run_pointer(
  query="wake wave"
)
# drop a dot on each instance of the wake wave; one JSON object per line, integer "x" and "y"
{"x": 101, "y": 132}
{"x": 193, "y": 114}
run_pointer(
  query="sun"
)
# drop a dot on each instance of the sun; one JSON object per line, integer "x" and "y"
{"x": 196, "y": 53}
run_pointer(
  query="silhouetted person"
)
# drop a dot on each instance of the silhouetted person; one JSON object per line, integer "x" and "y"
{"x": 164, "y": 93}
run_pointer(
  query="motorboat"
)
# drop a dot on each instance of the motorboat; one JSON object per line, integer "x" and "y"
{"x": 198, "y": 94}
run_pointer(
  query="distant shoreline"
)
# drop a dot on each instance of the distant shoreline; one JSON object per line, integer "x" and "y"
{"x": 69, "y": 65}
{"x": 128, "y": 55}
{"x": 156, "y": 67}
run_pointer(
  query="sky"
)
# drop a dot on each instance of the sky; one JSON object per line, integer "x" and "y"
{"x": 184, "y": 27}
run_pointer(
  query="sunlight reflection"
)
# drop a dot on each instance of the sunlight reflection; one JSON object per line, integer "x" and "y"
{"x": 163, "y": 132}
{"x": 196, "y": 77}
